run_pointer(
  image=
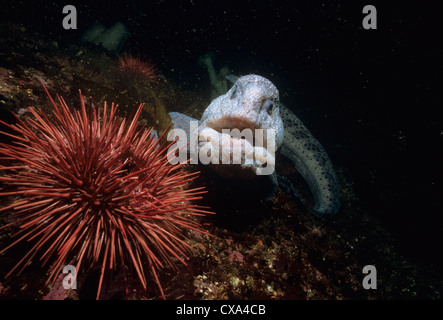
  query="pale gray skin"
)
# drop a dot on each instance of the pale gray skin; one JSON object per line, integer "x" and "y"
{"x": 312, "y": 162}
{"x": 253, "y": 102}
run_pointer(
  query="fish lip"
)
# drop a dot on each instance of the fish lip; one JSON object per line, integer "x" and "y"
{"x": 250, "y": 155}
{"x": 231, "y": 123}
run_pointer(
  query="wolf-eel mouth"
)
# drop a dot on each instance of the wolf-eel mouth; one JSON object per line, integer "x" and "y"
{"x": 236, "y": 141}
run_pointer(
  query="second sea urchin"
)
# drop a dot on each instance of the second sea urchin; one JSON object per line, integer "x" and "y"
{"x": 97, "y": 189}
{"x": 134, "y": 67}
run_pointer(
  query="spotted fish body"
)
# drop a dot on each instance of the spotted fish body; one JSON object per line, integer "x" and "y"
{"x": 249, "y": 100}
{"x": 312, "y": 162}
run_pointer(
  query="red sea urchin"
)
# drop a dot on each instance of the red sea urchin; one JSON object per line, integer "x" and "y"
{"x": 134, "y": 67}
{"x": 94, "y": 188}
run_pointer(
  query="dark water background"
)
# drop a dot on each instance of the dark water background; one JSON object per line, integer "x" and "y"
{"x": 371, "y": 97}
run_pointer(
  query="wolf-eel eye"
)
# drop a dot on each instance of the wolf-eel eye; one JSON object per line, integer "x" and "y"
{"x": 234, "y": 93}
{"x": 269, "y": 106}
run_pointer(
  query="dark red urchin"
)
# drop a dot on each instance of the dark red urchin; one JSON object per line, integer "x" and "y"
{"x": 95, "y": 188}
{"x": 134, "y": 67}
